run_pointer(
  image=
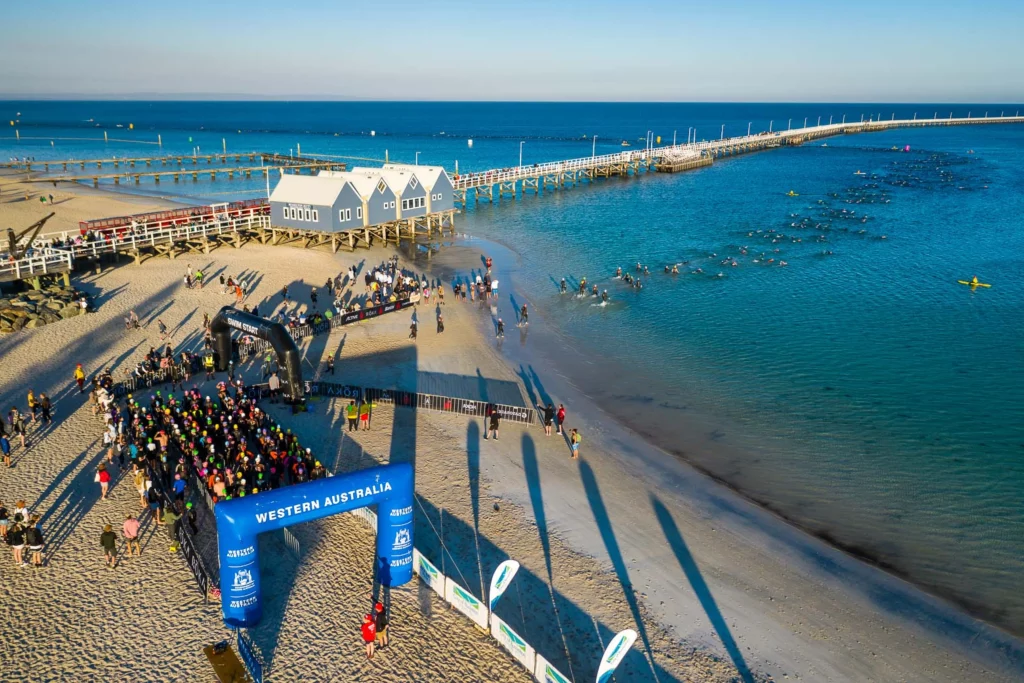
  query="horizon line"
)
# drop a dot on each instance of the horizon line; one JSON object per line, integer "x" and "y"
{"x": 248, "y": 97}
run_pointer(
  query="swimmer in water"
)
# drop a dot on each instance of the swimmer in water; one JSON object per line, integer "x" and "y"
{"x": 618, "y": 272}
{"x": 594, "y": 291}
{"x": 565, "y": 287}
{"x": 675, "y": 269}
{"x": 646, "y": 272}
{"x": 666, "y": 270}
{"x": 638, "y": 267}
{"x": 604, "y": 296}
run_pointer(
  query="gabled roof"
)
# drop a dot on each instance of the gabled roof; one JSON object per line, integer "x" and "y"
{"x": 397, "y": 179}
{"x": 365, "y": 184}
{"x": 318, "y": 190}
{"x": 427, "y": 175}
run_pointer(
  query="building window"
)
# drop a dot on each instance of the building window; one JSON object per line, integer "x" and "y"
{"x": 341, "y": 214}
{"x": 392, "y": 205}
{"x": 405, "y": 204}
{"x": 433, "y": 197}
{"x": 316, "y": 216}
{"x": 359, "y": 212}
{"x": 381, "y": 186}
{"x": 413, "y": 183}
{"x": 438, "y": 196}
{"x": 308, "y": 216}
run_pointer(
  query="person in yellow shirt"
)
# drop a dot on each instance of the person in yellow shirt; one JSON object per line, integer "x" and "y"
{"x": 352, "y": 413}
{"x": 33, "y": 407}
{"x": 364, "y": 414}
{"x": 80, "y": 377}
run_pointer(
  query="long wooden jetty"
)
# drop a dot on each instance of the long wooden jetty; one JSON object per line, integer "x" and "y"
{"x": 509, "y": 182}
{"x": 172, "y": 160}
{"x": 179, "y": 174}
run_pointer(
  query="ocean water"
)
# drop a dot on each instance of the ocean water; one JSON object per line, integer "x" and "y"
{"x": 857, "y": 390}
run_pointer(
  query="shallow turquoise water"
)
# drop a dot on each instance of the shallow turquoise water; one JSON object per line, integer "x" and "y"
{"x": 862, "y": 393}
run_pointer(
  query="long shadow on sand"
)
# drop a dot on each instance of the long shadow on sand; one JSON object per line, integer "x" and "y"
{"x": 700, "y": 587}
{"x": 611, "y": 544}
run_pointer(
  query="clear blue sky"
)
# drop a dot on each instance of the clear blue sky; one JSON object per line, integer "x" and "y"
{"x": 648, "y": 50}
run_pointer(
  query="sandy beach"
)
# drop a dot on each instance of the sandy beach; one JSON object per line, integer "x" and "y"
{"x": 627, "y": 537}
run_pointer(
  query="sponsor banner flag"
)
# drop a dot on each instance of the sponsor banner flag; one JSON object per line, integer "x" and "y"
{"x": 511, "y": 641}
{"x": 614, "y": 654}
{"x": 544, "y": 672}
{"x": 428, "y": 573}
{"x": 464, "y": 601}
{"x": 501, "y": 579}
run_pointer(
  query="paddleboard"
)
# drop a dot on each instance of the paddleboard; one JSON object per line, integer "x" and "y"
{"x": 973, "y": 284}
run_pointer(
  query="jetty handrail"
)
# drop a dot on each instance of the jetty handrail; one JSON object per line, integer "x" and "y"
{"x": 159, "y": 229}
{"x": 41, "y": 263}
{"x": 464, "y": 181}
{"x": 144, "y": 235}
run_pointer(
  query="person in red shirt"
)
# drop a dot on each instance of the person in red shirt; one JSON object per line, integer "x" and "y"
{"x": 103, "y": 477}
{"x": 560, "y": 417}
{"x": 369, "y": 634}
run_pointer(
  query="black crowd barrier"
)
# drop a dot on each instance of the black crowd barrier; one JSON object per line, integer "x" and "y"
{"x": 192, "y": 558}
{"x": 415, "y": 399}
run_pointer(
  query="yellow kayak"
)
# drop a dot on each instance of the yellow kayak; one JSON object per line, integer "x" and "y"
{"x": 973, "y": 284}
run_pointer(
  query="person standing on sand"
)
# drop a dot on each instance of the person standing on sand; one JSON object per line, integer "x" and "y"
{"x": 369, "y": 630}
{"x": 364, "y": 414}
{"x": 103, "y": 477}
{"x": 80, "y": 377}
{"x": 171, "y": 516}
{"x": 46, "y": 407}
{"x": 139, "y": 479}
{"x": 34, "y": 540}
{"x": 501, "y": 329}
{"x": 549, "y": 418}
{"x": 5, "y": 521}
{"x": 130, "y": 529}
{"x": 575, "y": 439}
{"x": 16, "y": 539}
{"x": 33, "y": 407}
{"x": 352, "y": 413}
{"x": 108, "y": 539}
{"x": 560, "y": 417}
{"x": 155, "y": 504}
{"x": 330, "y": 363}
{"x": 5, "y": 448}
{"x": 412, "y": 330}
{"x": 380, "y": 622}
{"x": 440, "y": 323}
{"x": 495, "y": 420}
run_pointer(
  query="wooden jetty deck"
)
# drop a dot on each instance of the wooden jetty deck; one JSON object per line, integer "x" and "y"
{"x": 509, "y": 182}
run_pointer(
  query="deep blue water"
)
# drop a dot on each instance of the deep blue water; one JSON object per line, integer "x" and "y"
{"x": 858, "y": 390}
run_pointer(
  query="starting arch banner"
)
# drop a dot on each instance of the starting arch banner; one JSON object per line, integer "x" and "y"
{"x": 241, "y": 520}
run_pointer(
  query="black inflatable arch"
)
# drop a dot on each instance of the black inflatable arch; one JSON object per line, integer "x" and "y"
{"x": 276, "y": 334}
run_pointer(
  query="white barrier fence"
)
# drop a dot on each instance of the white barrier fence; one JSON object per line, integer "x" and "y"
{"x": 476, "y": 610}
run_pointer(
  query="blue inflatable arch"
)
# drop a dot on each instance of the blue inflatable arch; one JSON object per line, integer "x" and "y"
{"x": 241, "y": 520}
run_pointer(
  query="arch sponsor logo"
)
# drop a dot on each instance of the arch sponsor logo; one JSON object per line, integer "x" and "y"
{"x": 403, "y": 539}
{"x": 243, "y": 581}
